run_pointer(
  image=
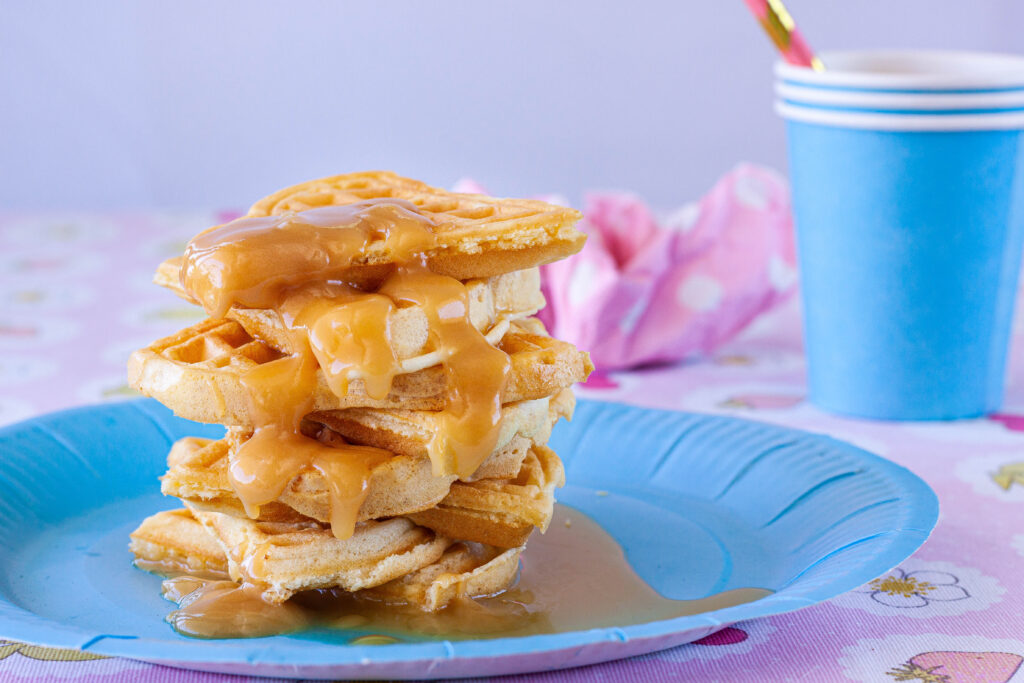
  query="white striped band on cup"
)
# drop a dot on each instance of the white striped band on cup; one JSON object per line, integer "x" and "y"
{"x": 868, "y": 120}
{"x": 876, "y": 100}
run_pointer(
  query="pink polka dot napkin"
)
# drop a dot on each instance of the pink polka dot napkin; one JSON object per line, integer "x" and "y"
{"x": 649, "y": 289}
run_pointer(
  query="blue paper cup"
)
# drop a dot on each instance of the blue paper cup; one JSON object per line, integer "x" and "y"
{"x": 907, "y": 171}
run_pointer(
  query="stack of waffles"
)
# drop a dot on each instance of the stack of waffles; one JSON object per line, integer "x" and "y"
{"x": 387, "y": 393}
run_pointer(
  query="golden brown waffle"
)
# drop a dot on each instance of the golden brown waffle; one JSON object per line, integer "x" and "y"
{"x": 477, "y": 236}
{"x": 198, "y": 475}
{"x": 507, "y": 297}
{"x": 197, "y": 373}
{"x": 174, "y": 542}
{"x": 466, "y": 570}
{"x": 500, "y": 512}
{"x": 291, "y": 556}
{"x": 409, "y": 432}
{"x": 493, "y": 304}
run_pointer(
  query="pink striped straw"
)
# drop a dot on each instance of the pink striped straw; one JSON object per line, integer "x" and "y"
{"x": 780, "y": 27}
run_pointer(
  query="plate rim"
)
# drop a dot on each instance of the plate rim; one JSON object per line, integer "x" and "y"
{"x": 22, "y": 625}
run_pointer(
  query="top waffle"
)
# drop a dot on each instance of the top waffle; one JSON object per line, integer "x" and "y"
{"x": 477, "y": 236}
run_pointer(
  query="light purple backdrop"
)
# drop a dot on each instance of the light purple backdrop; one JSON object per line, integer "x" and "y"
{"x": 192, "y": 103}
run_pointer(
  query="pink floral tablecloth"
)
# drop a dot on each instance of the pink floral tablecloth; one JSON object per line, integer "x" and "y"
{"x": 76, "y": 298}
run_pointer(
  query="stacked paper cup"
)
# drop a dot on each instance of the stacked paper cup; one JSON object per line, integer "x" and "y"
{"x": 908, "y": 185}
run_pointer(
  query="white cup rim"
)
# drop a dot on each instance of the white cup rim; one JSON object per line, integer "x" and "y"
{"x": 940, "y": 70}
{"x": 880, "y": 121}
{"x": 889, "y": 100}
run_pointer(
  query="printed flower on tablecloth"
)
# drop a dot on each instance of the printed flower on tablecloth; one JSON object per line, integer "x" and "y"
{"x": 1009, "y": 475}
{"x": 999, "y": 476}
{"x": 734, "y": 360}
{"x": 72, "y": 230}
{"x": 740, "y": 360}
{"x": 31, "y": 331}
{"x": 735, "y": 397}
{"x": 169, "y": 232}
{"x": 916, "y": 589}
{"x": 113, "y": 387}
{"x": 952, "y": 667}
{"x": 49, "y": 296}
{"x": 923, "y": 590}
{"x": 762, "y": 401}
{"x": 162, "y": 316}
{"x": 29, "y": 266}
{"x": 26, "y": 662}
{"x": 934, "y": 658}
{"x": 46, "y": 654}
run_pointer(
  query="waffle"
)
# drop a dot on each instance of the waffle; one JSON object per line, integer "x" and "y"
{"x": 427, "y": 533}
{"x": 466, "y": 570}
{"x": 493, "y": 304}
{"x": 198, "y": 475}
{"x": 510, "y": 296}
{"x": 302, "y": 554}
{"x": 409, "y": 432}
{"x": 500, "y": 512}
{"x": 173, "y": 541}
{"x": 477, "y": 236}
{"x": 197, "y": 373}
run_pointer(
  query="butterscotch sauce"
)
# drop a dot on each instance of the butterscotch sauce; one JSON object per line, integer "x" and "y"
{"x": 252, "y": 262}
{"x": 295, "y": 264}
{"x": 476, "y": 370}
{"x": 170, "y": 567}
{"x": 261, "y": 468}
{"x": 575, "y": 577}
{"x": 348, "y": 332}
{"x": 209, "y": 609}
{"x": 281, "y": 391}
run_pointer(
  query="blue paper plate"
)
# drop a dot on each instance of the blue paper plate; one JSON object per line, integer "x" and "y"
{"x": 745, "y": 504}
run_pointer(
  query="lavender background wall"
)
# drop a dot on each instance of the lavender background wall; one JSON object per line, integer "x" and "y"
{"x": 214, "y": 103}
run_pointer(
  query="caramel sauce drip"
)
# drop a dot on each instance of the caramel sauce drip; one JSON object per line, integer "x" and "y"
{"x": 575, "y": 577}
{"x": 347, "y": 331}
{"x": 281, "y": 391}
{"x": 261, "y": 468}
{"x": 252, "y": 565}
{"x": 170, "y": 567}
{"x": 476, "y": 371}
{"x": 296, "y": 264}
{"x": 211, "y": 609}
{"x": 253, "y": 262}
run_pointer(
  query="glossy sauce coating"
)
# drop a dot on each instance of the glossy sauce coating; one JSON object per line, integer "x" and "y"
{"x": 259, "y": 479}
{"x": 291, "y": 264}
{"x": 476, "y": 371}
{"x": 575, "y": 577}
{"x": 253, "y": 262}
